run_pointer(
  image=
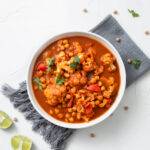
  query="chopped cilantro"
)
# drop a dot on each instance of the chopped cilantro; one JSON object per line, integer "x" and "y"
{"x": 136, "y": 63}
{"x": 75, "y": 62}
{"x": 50, "y": 63}
{"x": 59, "y": 80}
{"x": 134, "y": 13}
{"x": 38, "y": 82}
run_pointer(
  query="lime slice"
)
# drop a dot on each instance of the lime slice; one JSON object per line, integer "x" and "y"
{"x": 5, "y": 121}
{"x": 20, "y": 142}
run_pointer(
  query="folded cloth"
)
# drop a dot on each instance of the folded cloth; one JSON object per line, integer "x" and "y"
{"x": 111, "y": 30}
{"x": 56, "y": 136}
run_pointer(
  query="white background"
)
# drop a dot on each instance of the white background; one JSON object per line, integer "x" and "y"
{"x": 26, "y": 24}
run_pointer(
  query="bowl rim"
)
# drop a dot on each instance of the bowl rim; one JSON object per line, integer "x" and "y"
{"x": 97, "y": 120}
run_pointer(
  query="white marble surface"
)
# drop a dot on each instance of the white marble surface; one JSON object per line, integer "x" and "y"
{"x": 26, "y": 24}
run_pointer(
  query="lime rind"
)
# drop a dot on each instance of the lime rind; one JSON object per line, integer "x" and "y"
{"x": 20, "y": 142}
{"x": 5, "y": 121}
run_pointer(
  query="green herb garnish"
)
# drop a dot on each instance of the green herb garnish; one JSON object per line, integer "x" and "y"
{"x": 75, "y": 62}
{"x": 136, "y": 63}
{"x": 38, "y": 82}
{"x": 59, "y": 80}
{"x": 50, "y": 63}
{"x": 134, "y": 14}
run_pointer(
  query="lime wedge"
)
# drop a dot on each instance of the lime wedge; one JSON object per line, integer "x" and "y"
{"x": 5, "y": 121}
{"x": 20, "y": 142}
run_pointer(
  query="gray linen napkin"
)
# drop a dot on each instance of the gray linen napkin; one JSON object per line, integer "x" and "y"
{"x": 56, "y": 136}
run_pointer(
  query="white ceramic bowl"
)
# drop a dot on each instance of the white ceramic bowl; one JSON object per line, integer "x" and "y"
{"x": 100, "y": 118}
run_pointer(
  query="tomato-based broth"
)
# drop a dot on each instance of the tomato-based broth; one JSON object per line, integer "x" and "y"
{"x": 76, "y": 79}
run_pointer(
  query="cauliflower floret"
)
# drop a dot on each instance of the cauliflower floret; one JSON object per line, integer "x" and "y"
{"x": 107, "y": 59}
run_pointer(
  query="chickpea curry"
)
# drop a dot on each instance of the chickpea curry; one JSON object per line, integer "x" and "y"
{"x": 76, "y": 79}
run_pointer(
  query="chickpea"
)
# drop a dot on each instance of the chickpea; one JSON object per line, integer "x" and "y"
{"x": 71, "y": 119}
{"x": 85, "y": 118}
{"x": 99, "y": 83}
{"x": 97, "y": 102}
{"x": 70, "y": 54}
{"x": 67, "y": 115}
{"x": 78, "y": 116}
{"x": 43, "y": 86}
{"x": 60, "y": 116}
{"x": 100, "y": 97}
{"x": 106, "y": 94}
{"x": 66, "y": 120}
{"x": 66, "y": 75}
{"x": 103, "y": 103}
{"x": 73, "y": 114}
{"x": 68, "y": 96}
{"x": 35, "y": 87}
{"x": 76, "y": 81}
{"x": 66, "y": 45}
{"x": 102, "y": 88}
{"x": 62, "y": 48}
{"x": 59, "y": 106}
{"x": 43, "y": 80}
{"x": 74, "y": 108}
{"x": 69, "y": 109}
{"x": 39, "y": 73}
{"x": 73, "y": 90}
{"x": 83, "y": 80}
{"x": 51, "y": 112}
{"x": 65, "y": 41}
{"x": 56, "y": 110}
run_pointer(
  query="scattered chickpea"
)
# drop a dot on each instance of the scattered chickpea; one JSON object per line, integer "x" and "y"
{"x": 118, "y": 39}
{"x": 115, "y": 12}
{"x": 147, "y": 32}
{"x": 85, "y": 10}
{"x": 92, "y": 135}
{"x": 126, "y": 108}
{"x": 15, "y": 119}
{"x": 56, "y": 110}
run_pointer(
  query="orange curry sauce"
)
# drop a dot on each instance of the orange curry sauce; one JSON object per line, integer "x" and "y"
{"x": 76, "y": 79}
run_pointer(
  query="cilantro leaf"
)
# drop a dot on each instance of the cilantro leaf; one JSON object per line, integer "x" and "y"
{"x": 59, "y": 80}
{"x": 75, "y": 62}
{"x": 50, "y": 63}
{"x": 38, "y": 82}
{"x": 134, "y": 13}
{"x": 136, "y": 63}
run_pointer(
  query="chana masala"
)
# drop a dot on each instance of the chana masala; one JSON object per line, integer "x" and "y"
{"x": 76, "y": 79}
